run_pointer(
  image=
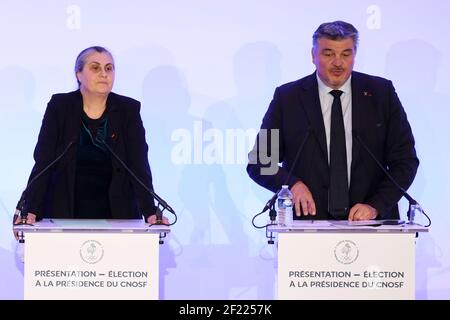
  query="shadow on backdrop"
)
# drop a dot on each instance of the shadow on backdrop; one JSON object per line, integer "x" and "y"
{"x": 415, "y": 83}
{"x": 183, "y": 154}
{"x": 256, "y": 71}
{"x": 19, "y": 127}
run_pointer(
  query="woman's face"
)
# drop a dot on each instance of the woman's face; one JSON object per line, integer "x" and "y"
{"x": 97, "y": 76}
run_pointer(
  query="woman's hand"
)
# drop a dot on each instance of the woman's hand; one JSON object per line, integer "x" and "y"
{"x": 31, "y": 219}
{"x": 152, "y": 219}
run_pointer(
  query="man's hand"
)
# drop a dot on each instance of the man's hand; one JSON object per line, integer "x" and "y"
{"x": 152, "y": 219}
{"x": 302, "y": 196}
{"x": 361, "y": 211}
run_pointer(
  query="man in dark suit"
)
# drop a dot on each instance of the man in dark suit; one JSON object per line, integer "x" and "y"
{"x": 319, "y": 126}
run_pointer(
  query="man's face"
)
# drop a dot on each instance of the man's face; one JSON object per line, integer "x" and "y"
{"x": 334, "y": 60}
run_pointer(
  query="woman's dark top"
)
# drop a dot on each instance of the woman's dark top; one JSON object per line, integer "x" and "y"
{"x": 93, "y": 170}
{"x": 52, "y": 195}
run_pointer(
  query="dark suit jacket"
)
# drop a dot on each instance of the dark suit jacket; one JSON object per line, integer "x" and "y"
{"x": 52, "y": 195}
{"x": 378, "y": 119}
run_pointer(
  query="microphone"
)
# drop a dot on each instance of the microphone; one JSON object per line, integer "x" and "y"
{"x": 22, "y": 205}
{"x": 413, "y": 204}
{"x": 22, "y": 202}
{"x": 271, "y": 202}
{"x": 158, "y": 198}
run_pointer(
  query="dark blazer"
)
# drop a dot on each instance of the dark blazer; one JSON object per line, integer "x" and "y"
{"x": 52, "y": 195}
{"x": 378, "y": 119}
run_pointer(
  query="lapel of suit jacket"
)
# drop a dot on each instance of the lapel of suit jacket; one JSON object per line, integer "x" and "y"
{"x": 309, "y": 97}
{"x": 360, "y": 102}
{"x": 72, "y": 128}
{"x": 113, "y": 121}
{"x": 74, "y": 117}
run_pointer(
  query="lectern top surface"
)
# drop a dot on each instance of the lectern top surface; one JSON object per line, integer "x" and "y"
{"x": 104, "y": 225}
{"x": 349, "y": 226}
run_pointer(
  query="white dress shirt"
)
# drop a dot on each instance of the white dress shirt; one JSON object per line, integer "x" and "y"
{"x": 326, "y": 101}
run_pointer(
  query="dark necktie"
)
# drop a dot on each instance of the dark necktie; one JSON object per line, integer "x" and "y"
{"x": 338, "y": 199}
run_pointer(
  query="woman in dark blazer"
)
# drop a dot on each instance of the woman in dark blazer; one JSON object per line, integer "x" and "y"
{"x": 88, "y": 182}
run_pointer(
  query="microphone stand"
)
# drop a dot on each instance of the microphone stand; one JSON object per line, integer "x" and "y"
{"x": 411, "y": 214}
{"x": 413, "y": 204}
{"x": 22, "y": 205}
{"x": 271, "y": 203}
{"x": 23, "y": 217}
{"x": 273, "y": 217}
{"x": 161, "y": 202}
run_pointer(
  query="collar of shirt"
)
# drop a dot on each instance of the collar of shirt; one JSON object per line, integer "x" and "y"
{"x": 326, "y": 99}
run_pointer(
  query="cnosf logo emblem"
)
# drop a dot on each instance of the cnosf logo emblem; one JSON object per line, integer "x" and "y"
{"x": 91, "y": 251}
{"x": 346, "y": 252}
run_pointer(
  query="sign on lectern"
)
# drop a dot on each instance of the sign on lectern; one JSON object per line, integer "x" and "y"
{"x": 337, "y": 260}
{"x": 91, "y": 259}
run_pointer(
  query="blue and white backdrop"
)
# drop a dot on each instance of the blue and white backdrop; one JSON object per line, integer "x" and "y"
{"x": 205, "y": 72}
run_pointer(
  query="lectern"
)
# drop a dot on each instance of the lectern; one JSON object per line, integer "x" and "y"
{"x": 342, "y": 260}
{"x": 91, "y": 259}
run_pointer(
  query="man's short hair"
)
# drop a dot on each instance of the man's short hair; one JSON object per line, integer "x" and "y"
{"x": 336, "y": 30}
